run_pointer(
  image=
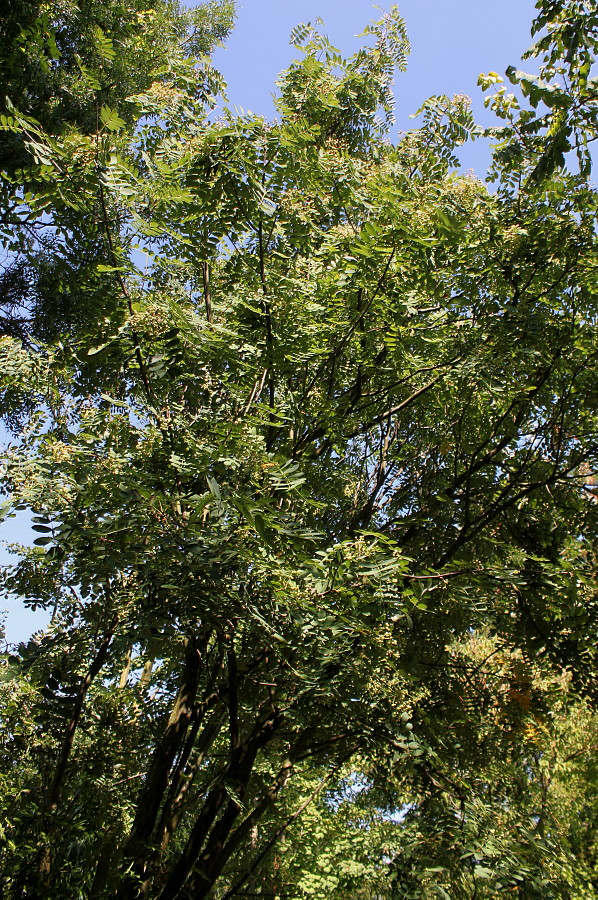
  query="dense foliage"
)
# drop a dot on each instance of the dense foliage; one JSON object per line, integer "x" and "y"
{"x": 306, "y": 423}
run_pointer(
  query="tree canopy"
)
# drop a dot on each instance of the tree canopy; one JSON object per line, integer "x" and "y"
{"x": 306, "y": 423}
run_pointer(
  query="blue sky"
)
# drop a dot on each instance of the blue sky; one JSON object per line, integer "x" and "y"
{"x": 451, "y": 44}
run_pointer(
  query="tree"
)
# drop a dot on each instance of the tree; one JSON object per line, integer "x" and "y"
{"x": 308, "y": 436}
{"x": 65, "y": 67}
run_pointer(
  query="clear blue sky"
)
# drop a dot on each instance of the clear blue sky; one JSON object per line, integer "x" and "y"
{"x": 452, "y": 42}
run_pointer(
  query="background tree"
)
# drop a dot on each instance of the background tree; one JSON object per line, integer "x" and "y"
{"x": 63, "y": 68}
{"x": 310, "y": 460}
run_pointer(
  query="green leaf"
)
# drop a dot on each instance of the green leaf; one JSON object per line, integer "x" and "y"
{"x": 110, "y": 119}
{"x": 113, "y": 402}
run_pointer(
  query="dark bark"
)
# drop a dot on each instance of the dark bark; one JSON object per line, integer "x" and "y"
{"x": 137, "y": 850}
{"x": 209, "y": 832}
{"x": 67, "y": 745}
{"x": 45, "y": 859}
